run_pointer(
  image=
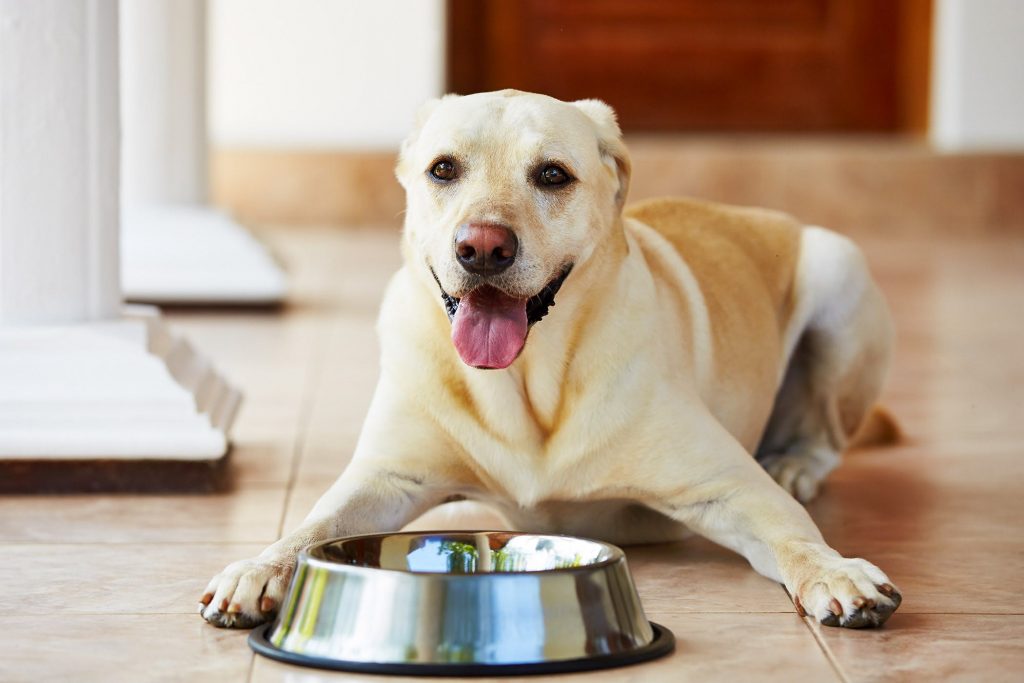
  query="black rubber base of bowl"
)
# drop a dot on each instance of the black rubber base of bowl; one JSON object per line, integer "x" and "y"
{"x": 664, "y": 643}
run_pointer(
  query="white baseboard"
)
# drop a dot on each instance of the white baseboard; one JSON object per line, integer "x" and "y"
{"x": 180, "y": 254}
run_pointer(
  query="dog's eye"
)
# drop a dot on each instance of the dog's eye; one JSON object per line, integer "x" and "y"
{"x": 553, "y": 175}
{"x": 444, "y": 170}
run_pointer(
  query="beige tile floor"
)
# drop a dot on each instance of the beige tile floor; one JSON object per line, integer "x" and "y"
{"x": 103, "y": 588}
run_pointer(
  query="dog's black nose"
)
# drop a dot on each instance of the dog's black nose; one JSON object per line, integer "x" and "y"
{"x": 485, "y": 248}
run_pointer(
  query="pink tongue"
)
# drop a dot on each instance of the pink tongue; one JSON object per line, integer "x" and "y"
{"x": 489, "y": 329}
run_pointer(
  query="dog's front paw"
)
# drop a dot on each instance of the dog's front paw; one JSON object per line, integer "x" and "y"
{"x": 847, "y": 592}
{"x": 246, "y": 593}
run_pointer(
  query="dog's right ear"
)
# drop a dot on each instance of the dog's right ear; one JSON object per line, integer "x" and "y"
{"x": 422, "y": 115}
{"x": 609, "y": 137}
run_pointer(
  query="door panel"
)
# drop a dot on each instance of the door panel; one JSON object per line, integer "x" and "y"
{"x": 725, "y": 65}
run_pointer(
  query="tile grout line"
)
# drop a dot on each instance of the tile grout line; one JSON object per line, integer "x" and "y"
{"x": 313, "y": 384}
{"x": 115, "y": 544}
{"x": 252, "y": 664}
{"x": 826, "y": 650}
{"x": 822, "y": 646}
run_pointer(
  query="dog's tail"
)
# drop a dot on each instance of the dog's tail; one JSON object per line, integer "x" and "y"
{"x": 878, "y": 429}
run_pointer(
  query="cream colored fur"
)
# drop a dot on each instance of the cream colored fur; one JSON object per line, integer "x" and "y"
{"x": 688, "y": 338}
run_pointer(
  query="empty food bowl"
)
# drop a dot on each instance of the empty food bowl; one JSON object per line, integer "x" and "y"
{"x": 462, "y": 603}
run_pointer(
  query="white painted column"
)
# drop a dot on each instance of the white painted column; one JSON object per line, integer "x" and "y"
{"x": 176, "y": 248}
{"x": 163, "y": 101}
{"x": 58, "y": 162}
{"x": 79, "y": 379}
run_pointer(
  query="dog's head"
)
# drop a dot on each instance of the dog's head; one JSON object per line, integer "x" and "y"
{"x": 507, "y": 193}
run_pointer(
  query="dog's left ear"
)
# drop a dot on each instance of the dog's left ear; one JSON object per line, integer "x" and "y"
{"x": 609, "y": 139}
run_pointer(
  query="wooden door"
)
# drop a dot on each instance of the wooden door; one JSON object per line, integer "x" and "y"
{"x": 714, "y": 65}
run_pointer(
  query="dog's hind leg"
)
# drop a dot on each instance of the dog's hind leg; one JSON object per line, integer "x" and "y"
{"x": 841, "y": 337}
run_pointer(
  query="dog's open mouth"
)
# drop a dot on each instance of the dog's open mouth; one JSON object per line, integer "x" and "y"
{"x": 489, "y": 327}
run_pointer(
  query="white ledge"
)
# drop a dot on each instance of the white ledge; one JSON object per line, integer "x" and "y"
{"x": 122, "y": 389}
{"x": 183, "y": 254}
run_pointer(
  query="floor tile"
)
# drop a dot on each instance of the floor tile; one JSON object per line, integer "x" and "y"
{"x": 119, "y": 648}
{"x": 959, "y": 576}
{"x": 265, "y": 440}
{"x": 696, "y": 575}
{"x": 920, "y": 494}
{"x": 248, "y": 514}
{"x": 131, "y": 578}
{"x": 930, "y": 647}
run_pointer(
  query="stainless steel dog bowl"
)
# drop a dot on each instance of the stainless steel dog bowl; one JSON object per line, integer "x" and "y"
{"x": 462, "y": 603}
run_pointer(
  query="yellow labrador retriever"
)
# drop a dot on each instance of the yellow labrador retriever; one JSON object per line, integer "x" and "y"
{"x": 704, "y": 363}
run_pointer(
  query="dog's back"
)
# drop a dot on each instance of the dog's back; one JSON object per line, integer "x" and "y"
{"x": 744, "y": 261}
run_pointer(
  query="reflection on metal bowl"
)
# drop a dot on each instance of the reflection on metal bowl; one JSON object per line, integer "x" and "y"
{"x": 462, "y": 603}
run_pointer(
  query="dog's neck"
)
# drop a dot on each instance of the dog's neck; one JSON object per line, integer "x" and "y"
{"x": 564, "y": 346}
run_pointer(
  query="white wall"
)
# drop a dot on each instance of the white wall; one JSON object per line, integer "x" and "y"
{"x": 978, "y": 74}
{"x": 322, "y": 73}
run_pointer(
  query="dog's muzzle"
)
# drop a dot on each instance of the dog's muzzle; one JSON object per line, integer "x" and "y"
{"x": 537, "y": 306}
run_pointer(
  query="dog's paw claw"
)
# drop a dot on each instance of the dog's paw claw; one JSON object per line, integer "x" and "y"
{"x": 796, "y": 602}
{"x": 851, "y": 593}
{"x": 246, "y": 593}
{"x": 894, "y": 596}
{"x": 889, "y": 591}
{"x": 237, "y": 620}
{"x": 861, "y": 602}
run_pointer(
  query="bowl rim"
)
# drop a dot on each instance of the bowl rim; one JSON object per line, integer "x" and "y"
{"x": 663, "y": 643}
{"x": 616, "y": 555}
